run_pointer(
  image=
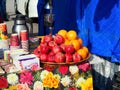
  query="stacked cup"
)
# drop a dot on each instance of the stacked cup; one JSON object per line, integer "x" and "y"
{"x": 14, "y": 42}
{"x": 24, "y": 40}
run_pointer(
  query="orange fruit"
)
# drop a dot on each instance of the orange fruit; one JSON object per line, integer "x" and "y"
{"x": 42, "y": 37}
{"x": 76, "y": 44}
{"x": 67, "y": 42}
{"x": 86, "y": 49}
{"x": 80, "y": 41}
{"x": 82, "y": 53}
{"x": 71, "y": 35}
{"x": 62, "y": 32}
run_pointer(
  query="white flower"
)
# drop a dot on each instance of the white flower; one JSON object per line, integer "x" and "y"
{"x": 57, "y": 76}
{"x": 12, "y": 79}
{"x": 38, "y": 86}
{"x": 66, "y": 81}
{"x": 79, "y": 82}
{"x": 43, "y": 74}
{"x": 73, "y": 69}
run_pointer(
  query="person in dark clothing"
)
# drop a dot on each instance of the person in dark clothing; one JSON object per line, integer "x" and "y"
{"x": 3, "y": 13}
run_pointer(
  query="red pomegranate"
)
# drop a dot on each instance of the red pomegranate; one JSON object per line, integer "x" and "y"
{"x": 63, "y": 47}
{"x": 69, "y": 49}
{"x": 76, "y": 57}
{"x": 59, "y": 57}
{"x": 44, "y": 49}
{"x": 52, "y": 44}
{"x": 47, "y": 38}
{"x": 56, "y": 49}
{"x": 43, "y": 57}
{"x": 69, "y": 58}
{"x": 59, "y": 39}
{"x": 51, "y": 58}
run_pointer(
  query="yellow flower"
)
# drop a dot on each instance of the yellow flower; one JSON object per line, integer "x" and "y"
{"x": 13, "y": 88}
{"x": 57, "y": 76}
{"x": 87, "y": 85}
{"x": 80, "y": 82}
{"x": 51, "y": 80}
{"x": 43, "y": 74}
{"x": 83, "y": 86}
{"x": 6, "y": 89}
{"x": 55, "y": 82}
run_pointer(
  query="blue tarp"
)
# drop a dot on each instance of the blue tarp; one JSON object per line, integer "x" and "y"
{"x": 97, "y": 22}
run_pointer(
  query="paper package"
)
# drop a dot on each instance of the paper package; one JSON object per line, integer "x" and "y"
{"x": 23, "y": 62}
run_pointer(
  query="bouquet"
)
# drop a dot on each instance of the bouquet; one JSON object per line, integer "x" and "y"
{"x": 73, "y": 77}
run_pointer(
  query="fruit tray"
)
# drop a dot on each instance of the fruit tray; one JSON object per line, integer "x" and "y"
{"x": 70, "y": 63}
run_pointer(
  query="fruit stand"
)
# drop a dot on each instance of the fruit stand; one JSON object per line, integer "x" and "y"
{"x": 64, "y": 65}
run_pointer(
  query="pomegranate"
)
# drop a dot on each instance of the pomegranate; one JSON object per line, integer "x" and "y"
{"x": 51, "y": 53}
{"x": 51, "y": 58}
{"x": 69, "y": 58}
{"x": 59, "y": 57}
{"x": 76, "y": 57}
{"x": 63, "y": 47}
{"x": 59, "y": 39}
{"x": 69, "y": 49}
{"x": 52, "y": 44}
{"x": 36, "y": 51}
{"x": 43, "y": 57}
{"x": 44, "y": 49}
{"x": 37, "y": 55}
{"x": 56, "y": 49}
{"x": 43, "y": 44}
{"x": 47, "y": 38}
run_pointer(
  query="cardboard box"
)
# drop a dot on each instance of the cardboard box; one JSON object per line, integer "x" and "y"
{"x": 24, "y": 62}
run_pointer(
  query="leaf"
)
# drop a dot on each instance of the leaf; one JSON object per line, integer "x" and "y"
{"x": 66, "y": 88}
{"x": 37, "y": 76}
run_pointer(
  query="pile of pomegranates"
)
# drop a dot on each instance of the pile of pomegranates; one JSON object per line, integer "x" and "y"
{"x": 53, "y": 49}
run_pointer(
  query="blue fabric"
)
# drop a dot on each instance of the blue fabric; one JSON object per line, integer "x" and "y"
{"x": 97, "y": 22}
{"x": 99, "y": 25}
{"x": 116, "y": 52}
